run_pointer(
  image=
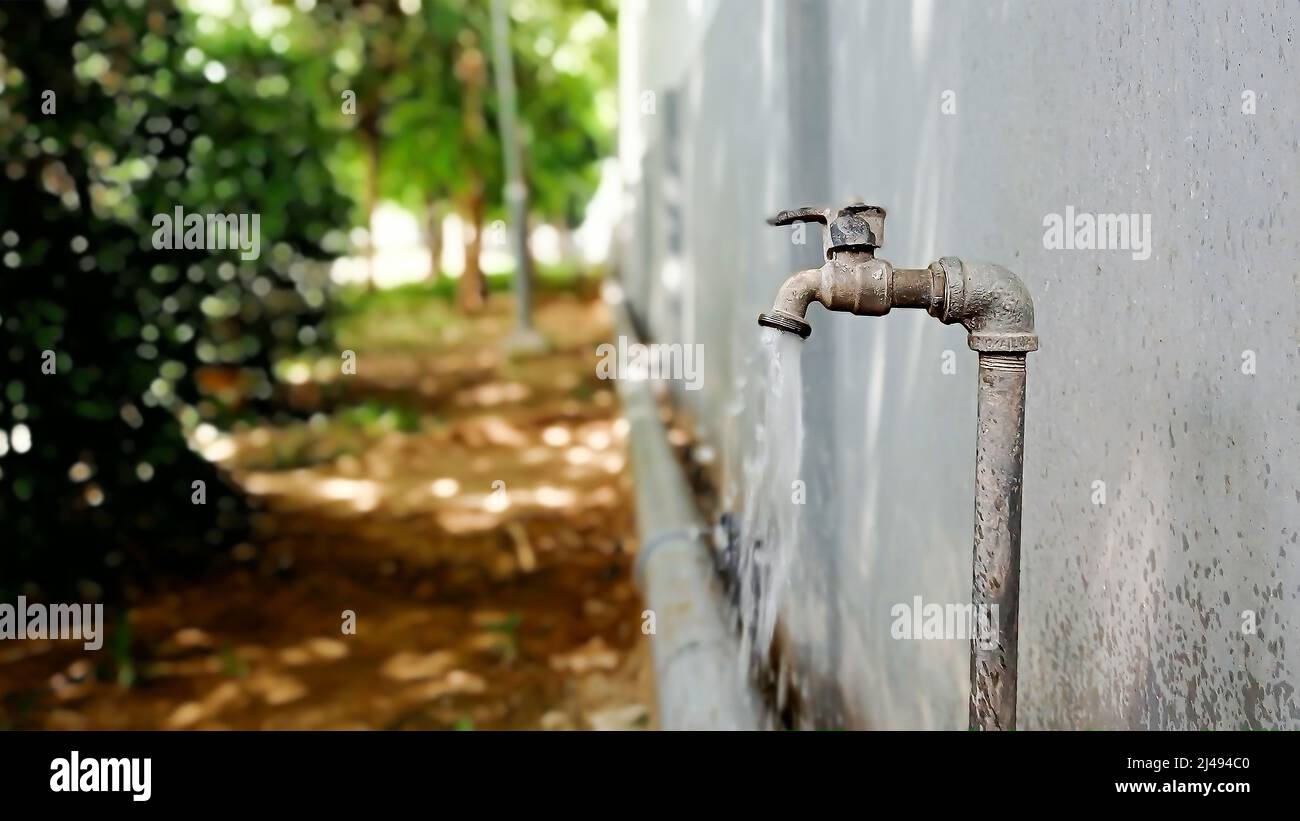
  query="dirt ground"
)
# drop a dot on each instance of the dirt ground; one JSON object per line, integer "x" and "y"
{"x": 469, "y": 506}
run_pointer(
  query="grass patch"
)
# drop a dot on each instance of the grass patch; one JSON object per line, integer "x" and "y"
{"x": 380, "y": 417}
{"x": 415, "y": 315}
{"x": 348, "y": 431}
{"x": 357, "y": 299}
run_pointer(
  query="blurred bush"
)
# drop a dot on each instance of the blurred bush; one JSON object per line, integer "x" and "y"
{"x": 96, "y": 478}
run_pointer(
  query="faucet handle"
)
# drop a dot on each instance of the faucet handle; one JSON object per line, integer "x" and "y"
{"x": 867, "y": 211}
{"x": 856, "y": 226}
{"x": 792, "y": 216}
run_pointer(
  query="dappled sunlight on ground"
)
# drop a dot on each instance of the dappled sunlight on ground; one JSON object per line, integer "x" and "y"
{"x": 470, "y": 507}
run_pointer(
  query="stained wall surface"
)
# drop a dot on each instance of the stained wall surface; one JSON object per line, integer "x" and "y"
{"x": 1162, "y": 487}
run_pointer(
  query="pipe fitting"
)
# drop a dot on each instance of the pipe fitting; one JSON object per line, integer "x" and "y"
{"x": 990, "y": 302}
{"x": 918, "y": 288}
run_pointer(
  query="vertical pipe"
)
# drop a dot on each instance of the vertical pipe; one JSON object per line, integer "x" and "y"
{"x": 999, "y": 475}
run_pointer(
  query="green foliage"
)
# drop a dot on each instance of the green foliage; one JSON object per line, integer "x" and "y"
{"x": 160, "y": 106}
{"x": 143, "y": 123}
{"x": 120, "y": 663}
{"x": 353, "y": 301}
{"x": 381, "y": 416}
{"x": 232, "y": 664}
{"x": 566, "y": 67}
{"x": 507, "y": 630}
{"x": 415, "y": 82}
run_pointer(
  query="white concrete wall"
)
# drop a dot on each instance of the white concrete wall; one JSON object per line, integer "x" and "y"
{"x": 1131, "y": 610}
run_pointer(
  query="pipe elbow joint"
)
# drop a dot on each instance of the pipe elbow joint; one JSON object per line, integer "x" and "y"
{"x": 990, "y": 302}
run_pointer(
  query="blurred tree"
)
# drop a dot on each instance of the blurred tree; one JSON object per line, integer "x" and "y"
{"x": 105, "y": 340}
{"x": 566, "y": 61}
{"x": 414, "y": 132}
{"x": 425, "y": 128}
{"x": 274, "y": 109}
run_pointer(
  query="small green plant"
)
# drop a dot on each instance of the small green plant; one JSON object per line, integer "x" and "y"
{"x": 463, "y": 724}
{"x": 379, "y": 415}
{"x": 119, "y": 648}
{"x": 508, "y": 630}
{"x": 231, "y": 664}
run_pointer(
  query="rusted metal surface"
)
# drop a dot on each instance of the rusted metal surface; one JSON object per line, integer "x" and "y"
{"x": 856, "y": 226}
{"x": 995, "y": 598}
{"x": 791, "y": 303}
{"x": 996, "y": 309}
{"x": 783, "y": 321}
{"x": 990, "y": 302}
{"x": 914, "y": 288}
{"x": 851, "y": 280}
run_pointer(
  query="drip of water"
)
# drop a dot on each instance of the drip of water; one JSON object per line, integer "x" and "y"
{"x": 770, "y": 525}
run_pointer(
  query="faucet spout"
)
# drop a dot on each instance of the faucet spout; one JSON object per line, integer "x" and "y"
{"x": 791, "y": 304}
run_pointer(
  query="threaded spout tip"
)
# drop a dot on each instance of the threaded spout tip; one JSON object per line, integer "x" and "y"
{"x": 783, "y": 321}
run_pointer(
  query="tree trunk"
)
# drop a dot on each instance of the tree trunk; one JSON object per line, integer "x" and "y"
{"x": 472, "y": 290}
{"x": 433, "y": 238}
{"x": 471, "y": 70}
{"x": 370, "y": 145}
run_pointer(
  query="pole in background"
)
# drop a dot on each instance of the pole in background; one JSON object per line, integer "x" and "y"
{"x": 516, "y": 193}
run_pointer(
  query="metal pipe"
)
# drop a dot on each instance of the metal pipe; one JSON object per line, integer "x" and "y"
{"x": 996, "y": 309}
{"x": 913, "y": 288}
{"x": 995, "y": 599}
{"x": 696, "y": 653}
